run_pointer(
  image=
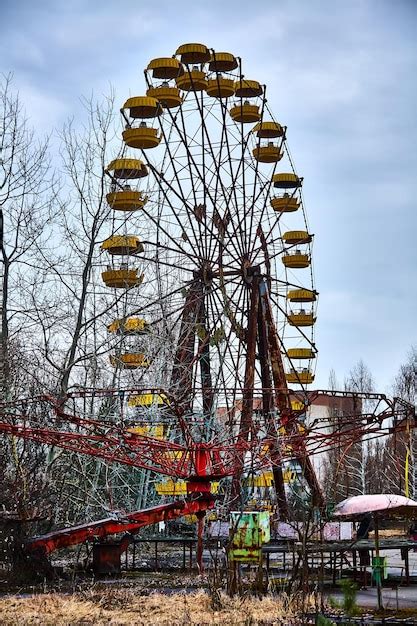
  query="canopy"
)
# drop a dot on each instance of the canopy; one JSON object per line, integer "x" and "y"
{"x": 387, "y": 502}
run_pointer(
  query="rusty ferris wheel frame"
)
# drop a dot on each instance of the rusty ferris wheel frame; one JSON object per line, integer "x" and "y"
{"x": 212, "y": 221}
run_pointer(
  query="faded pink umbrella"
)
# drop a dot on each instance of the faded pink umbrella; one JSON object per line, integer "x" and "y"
{"x": 380, "y": 504}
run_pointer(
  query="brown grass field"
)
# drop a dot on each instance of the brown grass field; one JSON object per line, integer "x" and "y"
{"x": 120, "y": 607}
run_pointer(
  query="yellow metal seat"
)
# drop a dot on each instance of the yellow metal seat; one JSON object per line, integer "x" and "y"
{"x": 195, "y": 80}
{"x": 301, "y": 353}
{"x": 222, "y": 62}
{"x": 268, "y": 130}
{"x": 129, "y": 360}
{"x": 245, "y": 113}
{"x": 178, "y": 488}
{"x": 264, "y": 480}
{"x": 126, "y": 200}
{"x": 171, "y": 488}
{"x": 129, "y": 326}
{"x": 248, "y": 88}
{"x": 267, "y": 154}
{"x": 220, "y": 87}
{"x": 296, "y": 405}
{"x": 303, "y": 377}
{"x": 301, "y": 295}
{"x": 293, "y": 237}
{"x": 122, "y": 244}
{"x": 126, "y": 169}
{"x": 296, "y": 261}
{"x": 301, "y": 319}
{"x": 169, "y": 97}
{"x": 142, "y": 137}
{"x": 155, "y": 431}
{"x": 193, "y": 53}
{"x": 165, "y": 68}
{"x": 287, "y": 181}
{"x": 122, "y": 278}
{"x": 285, "y": 204}
{"x": 173, "y": 455}
{"x": 147, "y": 400}
{"x": 143, "y": 107}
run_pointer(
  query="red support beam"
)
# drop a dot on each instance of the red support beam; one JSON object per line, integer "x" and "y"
{"x": 131, "y": 523}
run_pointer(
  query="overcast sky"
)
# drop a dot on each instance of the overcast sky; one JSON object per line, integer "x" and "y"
{"x": 342, "y": 75}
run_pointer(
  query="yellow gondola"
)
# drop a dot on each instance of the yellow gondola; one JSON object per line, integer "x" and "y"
{"x": 194, "y": 80}
{"x": 126, "y": 169}
{"x": 297, "y": 260}
{"x": 169, "y": 97}
{"x": 268, "y": 130}
{"x": 287, "y": 181}
{"x": 303, "y": 377}
{"x": 122, "y": 244}
{"x": 155, "y": 431}
{"x": 193, "y": 53}
{"x": 129, "y": 360}
{"x": 220, "y": 87}
{"x": 267, "y": 154}
{"x": 165, "y": 68}
{"x": 122, "y": 278}
{"x": 301, "y": 353}
{"x": 285, "y": 203}
{"x": 148, "y": 399}
{"x": 245, "y": 113}
{"x": 142, "y": 137}
{"x": 301, "y": 295}
{"x": 301, "y": 319}
{"x": 248, "y": 88}
{"x": 143, "y": 107}
{"x": 293, "y": 237}
{"x": 126, "y": 200}
{"x": 222, "y": 62}
{"x": 129, "y": 326}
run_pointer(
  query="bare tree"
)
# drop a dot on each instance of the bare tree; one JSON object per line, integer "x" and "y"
{"x": 402, "y": 448}
{"x": 26, "y": 189}
{"x": 359, "y": 379}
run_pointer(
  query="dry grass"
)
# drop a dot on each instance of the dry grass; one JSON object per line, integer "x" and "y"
{"x": 387, "y": 533}
{"x": 117, "y": 607}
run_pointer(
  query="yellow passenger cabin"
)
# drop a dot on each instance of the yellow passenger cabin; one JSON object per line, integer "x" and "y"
{"x": 129, "y": 360}
{"x": 270, "y": 153}
{"x": 287, "y": 181}
{"x": 165, "y": 68}
{"x": 268, "y": 130}
{"x": 285, "y": 203}
{"x": 296, "y": 260}
{"x": 123, "y": 245}
{"x": 300, "y": 377}
{"x": 143, "y": 107}
{"x": 142, "y": 137}
{"x": 122, "y": 278}
{"x": 245, "y": 112}
{"x": 129, "y": 326}
{"x": 220, "y": 87}
{"x": 248, "y": 88}
{"x": 126, "y": 169}
{"x": 126, "y": 199}
{"x": 192, "y": 80}
{"x": 169, "y": 97}
{"x": 191, "y": 53}
{"x": 222, "y": 62}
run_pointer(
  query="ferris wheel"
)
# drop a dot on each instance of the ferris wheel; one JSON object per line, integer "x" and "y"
{"x": 218, "y": 301}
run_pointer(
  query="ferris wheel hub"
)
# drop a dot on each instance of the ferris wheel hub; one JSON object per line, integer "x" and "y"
{"x": 205, "y": 274}
{"x": 249, "y": 271}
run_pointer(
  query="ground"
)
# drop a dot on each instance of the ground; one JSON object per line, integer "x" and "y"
{"x": 100, "y": 605}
